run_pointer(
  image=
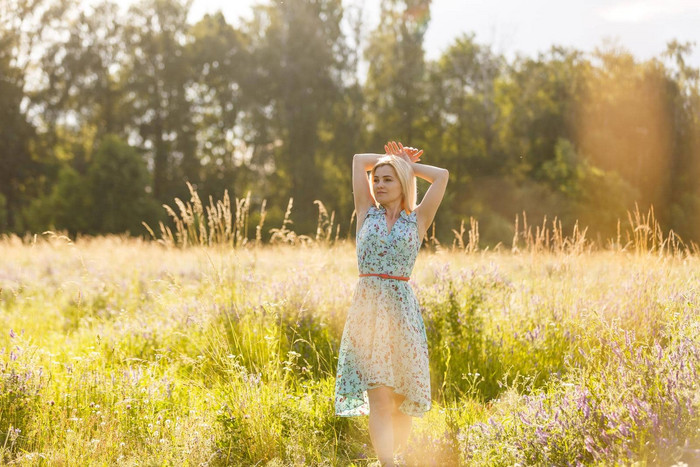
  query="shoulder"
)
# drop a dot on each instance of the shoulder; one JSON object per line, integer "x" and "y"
{"x": 374, "y": 211}
{"x": 412, "y": 217}
{"x": 364, "y": 215}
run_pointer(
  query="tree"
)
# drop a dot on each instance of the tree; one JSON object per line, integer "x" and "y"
{"x": 22, "y": 158}
{"x": 84, "y": 74}
{"x": 343, "y": 133}
{"x": 68, "y": 206}
{"x": 218, "y": 55}
{"x": 395, "y": 89}
{"x": 157, "y": 75}
{"x": 595, "y": 197}
{"x": 295, "y": 50}
{"x": 538, "y": 105}
{"x": 118, "y": 181}
{"x": 111, "y": 197}
{"x": 685, "y": 187}
{"x": 460, "y": 128}
{"x": 17, "y": 166}
{"x": 627, "y": 125}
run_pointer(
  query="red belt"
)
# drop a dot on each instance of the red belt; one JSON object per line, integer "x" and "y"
{"x": 387, "y": 276}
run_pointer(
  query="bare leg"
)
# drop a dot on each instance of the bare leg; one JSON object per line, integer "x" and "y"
{"x": 402, "y": 425}
{"x": 381, "y": 408}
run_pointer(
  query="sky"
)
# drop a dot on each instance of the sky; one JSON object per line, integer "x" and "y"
{"x": 642, "y": 27}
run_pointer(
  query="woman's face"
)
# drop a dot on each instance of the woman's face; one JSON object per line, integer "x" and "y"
{"x": 386, "y": 185}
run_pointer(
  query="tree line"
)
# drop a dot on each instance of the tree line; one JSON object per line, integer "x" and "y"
{"x": 108, "y": 112}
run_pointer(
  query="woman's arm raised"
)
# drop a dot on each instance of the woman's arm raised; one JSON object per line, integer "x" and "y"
{"x": 425, "y": 211}
{"x": 361, "y": 163}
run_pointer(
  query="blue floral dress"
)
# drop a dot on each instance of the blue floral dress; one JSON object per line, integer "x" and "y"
{"x": 384, "y": 341}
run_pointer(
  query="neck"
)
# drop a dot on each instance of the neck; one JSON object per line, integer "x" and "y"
{"x": 394, "y": 209}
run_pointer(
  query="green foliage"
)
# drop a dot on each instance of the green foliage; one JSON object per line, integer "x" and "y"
{"x": 276, "y": 106}
{"x": 622, "y": 408}
{"x": 67, "y": 207}
{"x": 297, "y": 59}
{"x": 118, "y": 180}
{"x": 300, "y": 427}
{"x": 470, "y": 358}
{"x": 18, "y": 168}
{"x": 3, "y": 213}
{"x": 603, "y": 197}
{"x": 21, "y": 383}
{"x": 156, "y": 86}
{"x": 595, "y": 197}
{"x": 394, "y": 88}
{"x": 136, "y": 353}
{"x": 110, "y": 197}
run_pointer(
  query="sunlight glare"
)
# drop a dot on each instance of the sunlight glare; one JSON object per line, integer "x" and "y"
{"x": 644, "y": 10}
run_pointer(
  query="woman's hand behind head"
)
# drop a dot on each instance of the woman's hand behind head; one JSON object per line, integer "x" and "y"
{"x": 409, "y": 154}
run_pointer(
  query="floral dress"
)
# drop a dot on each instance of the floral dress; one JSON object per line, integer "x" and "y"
{"x": 384, "y": 341}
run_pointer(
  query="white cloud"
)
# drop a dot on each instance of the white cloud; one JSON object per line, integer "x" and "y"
{"x": 638, "y": 11}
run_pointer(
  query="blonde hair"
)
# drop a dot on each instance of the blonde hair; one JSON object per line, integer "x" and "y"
{"x": 404, "y": 173}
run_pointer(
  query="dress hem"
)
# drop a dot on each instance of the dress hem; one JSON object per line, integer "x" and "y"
{"x": 363, "y": 396}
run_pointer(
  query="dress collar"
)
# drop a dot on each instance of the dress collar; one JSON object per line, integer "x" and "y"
{"x": 402, "y": 215}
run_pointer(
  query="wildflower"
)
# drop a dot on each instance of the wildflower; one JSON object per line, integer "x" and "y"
{"x": 590, "y": 445}
{"x": 542, "y": 435}
{"x": 524, "y": 419}
{"x": 12, "y": 334}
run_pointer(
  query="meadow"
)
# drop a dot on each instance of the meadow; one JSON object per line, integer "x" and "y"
{"x": 122, "y": 351}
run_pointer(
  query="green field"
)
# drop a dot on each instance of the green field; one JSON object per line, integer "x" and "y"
{"x": 117, "y": 351}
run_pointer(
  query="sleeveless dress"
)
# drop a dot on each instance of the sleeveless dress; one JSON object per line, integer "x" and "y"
{"x": 384, "y": 341}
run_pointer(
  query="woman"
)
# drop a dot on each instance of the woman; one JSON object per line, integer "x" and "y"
{"x": 383, "y": 362}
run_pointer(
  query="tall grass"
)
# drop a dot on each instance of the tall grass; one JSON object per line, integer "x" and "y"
{"x": 556, "y": 351}
{"x": 218, "y": 224}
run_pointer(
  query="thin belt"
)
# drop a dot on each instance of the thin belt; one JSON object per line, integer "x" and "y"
{"x": 387, "y": 276}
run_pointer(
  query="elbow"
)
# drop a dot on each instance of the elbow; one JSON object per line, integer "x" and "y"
{"x": 445, "y": 174}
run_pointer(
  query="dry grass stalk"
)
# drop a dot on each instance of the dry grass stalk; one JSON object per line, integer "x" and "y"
{"x": 458, "y": 242}
{"x": 646, "y": 236}
{"x": 472, "y": 245}
{"x": 549, "y": 238}
{"x": 196, "y": 226}
{"x": 258, "y": 228}
{"x": 215, "y": 225}
{"x": 285, "y": 235}
{"x": 351, "y": 229}
{"x": 240, "y": 236}
{"x": 324, "y": 225}
{"x": 432, "y": 241}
